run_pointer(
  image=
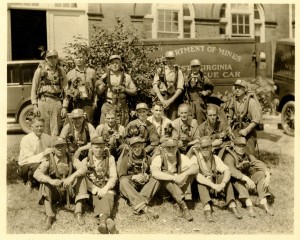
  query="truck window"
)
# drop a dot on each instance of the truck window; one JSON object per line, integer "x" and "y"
{"x": 284, "y": 64}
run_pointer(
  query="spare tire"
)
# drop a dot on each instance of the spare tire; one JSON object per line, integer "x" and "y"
{"x": 288, "y": 118}
{"x": 25, "y": 118}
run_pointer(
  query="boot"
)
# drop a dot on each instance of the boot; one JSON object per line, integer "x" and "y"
{"x": 251, "y": 211}
{"x": 267, "y": 210}
{"x": 79, "y": 218}
{"x": 49, "y": 221}
{"x": 102, "y": 225}
{"x": 235, "y": 212}
{"x": 150, "y": 213}
{"x": 185, "y": 212}
{"x": 208, "y": 215}
{"x": 111, "y": 226}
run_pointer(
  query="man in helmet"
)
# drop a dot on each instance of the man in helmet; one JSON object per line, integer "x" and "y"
{"x": 143, "y": 128}
{"x": 168, "y": 85}
{"x": 213, "y": 177}
{"x": 81, "y": 82}
{"x": 248, "y": 174}
{"x": 175, "y": 171}
{"x": 197, "y": 88}
{"x": 101, "y": 180}
{"x": 245, "y": 114}
{"x": 136, "y": 183}
{"x": 117, "y": 85}
{"x": 48, "y": 92}
{"x": 78, "y": 132}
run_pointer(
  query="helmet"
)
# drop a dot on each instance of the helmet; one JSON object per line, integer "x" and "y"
{"x": 205, "y": 141}
{"x": 169, "y": 142}
{"x": 58, "y": 141}
{"x": 136, "y": 139}
{"x": 195, "y": 62}
{"x": 114, "y": 57}
{"x": 240, "y": 82}
{"x": 141, "y": 106}
{"x": 97, "y": 140}
{"x": 76, "y": 113}
{"x": 51, "y": 53}
{"x": 170, "y": 54}
{"x": 240, "y": 141}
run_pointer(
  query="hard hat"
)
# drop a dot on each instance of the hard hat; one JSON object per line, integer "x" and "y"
{"x": 58, "y": 141}
{"x": 97, "y": 140}
{"x": 239, "y": 141}
{"x": 169, "y": 142}
{"x": 114, "y": 57}
{"x": 76, "y": 113}
{"x": 141, "y": 106}
{"x": 51, "y": 53}
{"x": 170, "y": 54}
{"x": 205, "y": 141}
{"x": 240, "y": 82}
{"x": 195, "y": 62}
{"x": 136, "y": 139}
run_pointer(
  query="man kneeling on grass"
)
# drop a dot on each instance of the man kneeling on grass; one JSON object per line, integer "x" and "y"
{"x": 101, "y": 179}
{"x": 56, "y": 178}
{"x": 213, "y": 178}
{"x": 175, "y": 171}
{"x": 136, "y": 183}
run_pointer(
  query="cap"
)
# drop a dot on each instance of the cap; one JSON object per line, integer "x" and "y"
{"x": 136, "y": 139}
{"x": 170, "y": 54}
{"x": 169, "y": 142}
{"x": 141, "y": 106}
{"x": 58, "y": 141}
{"x": 240, "y": 141}
{"x": 205, "y": 141}
{"x": 51, "y": 53}
{"x": 240, "y": 82}
{"x": 97, "y": 140}
{"x": 114, "y": 57}
{"x": 76, "y": 113}
{"x": 195, "y": 62}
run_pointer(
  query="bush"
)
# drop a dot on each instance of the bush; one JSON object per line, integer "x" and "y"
{"x": 124, "y": 42}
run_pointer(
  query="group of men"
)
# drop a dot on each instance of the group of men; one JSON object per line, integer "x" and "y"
{"x": 183, "y": 140}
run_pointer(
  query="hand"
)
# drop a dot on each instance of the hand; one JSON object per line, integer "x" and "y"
{"x": 217, "y": 142}
{"x": 167, "y": 103}
{"x": 140, "y": 178}
{"x": 101, "y": 192}
{"x": 47, "y": 151}
{"x": 116, "y": 135}
{"x": 250, "y": 183}
{"x": 36, "y": 110}
{"x": 121, "y": 89}
{"x": 180, "y": 179}
{"x": 218, "y": 187}
{"x": 204, "y": 93}
{"x": 63, "y": 112}
{"x": 68, "y": 181}
{"x": 243, "y": 132}
{"x": 55, "y": 182}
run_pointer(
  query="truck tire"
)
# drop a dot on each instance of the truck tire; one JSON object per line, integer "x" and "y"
{"x": 288, "y": 118}
{"x": 25, "y": 117}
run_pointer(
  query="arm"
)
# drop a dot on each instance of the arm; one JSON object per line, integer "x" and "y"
{"x": 35, "y": 86}
{"x": 155, "y": 86}
{"x": 131, "y": 88}
{"x": 64, "y": 89}
{"x": 156, "y": 170}
{"x": 40, "y": 175}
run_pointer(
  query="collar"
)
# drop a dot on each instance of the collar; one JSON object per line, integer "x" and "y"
{"x": 78, "y": 70}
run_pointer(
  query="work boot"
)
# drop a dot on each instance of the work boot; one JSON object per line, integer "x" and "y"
{"x": 29, "y": 186}
{"x": 49, "y": 221}
{"x": 111, "y": 226}
{"x": 235, "y": 212}
{"x": 266, "y": 208}
{"x": 79, "y": 218}
{"x": 251, "y": 211}
{"x": 208, "y": 215}
{"x": 102, "y": 225}
{"x": 150, "y": 213}
{"x": 185, "y": 212}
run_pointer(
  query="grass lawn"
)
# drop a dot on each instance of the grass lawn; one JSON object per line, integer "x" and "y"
{"x": 24, "y": 215}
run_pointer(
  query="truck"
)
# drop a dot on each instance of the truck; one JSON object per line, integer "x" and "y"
{"x": 284, "y": 78}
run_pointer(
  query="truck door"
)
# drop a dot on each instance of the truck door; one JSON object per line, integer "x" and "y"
{"x": 263, "y": 53}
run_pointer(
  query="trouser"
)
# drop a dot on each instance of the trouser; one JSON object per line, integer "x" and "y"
{"x": 139, "y": 196}
{"x": 50, "y": 195}
{"x": 172, "y": 110}
{"x": 177, "y": 192}
{"x": 50, "y": 109}
{"x": 26, "y": 172}
{"x": 103, "y": 205}
{"x": 198, "y": 110}
{"x": 122, "y": 114}
{"x": 251, "y": 140}
{"x": 258, "y": 178}
{"x": 206, "y": 192}
{"x": 86, "y": 106}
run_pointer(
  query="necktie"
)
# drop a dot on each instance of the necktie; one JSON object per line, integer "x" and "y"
{"x": 40, "y": 145}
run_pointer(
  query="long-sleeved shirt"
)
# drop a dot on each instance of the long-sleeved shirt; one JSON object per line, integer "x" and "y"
{"x": 215, "y": 131}
{"x": 44, "y": 169}
{"x": 192, "y": 132}
{"x": 99, "y": 165}
{"x": 46, "y": 72}
{"x": 31, "y": 148}
{"x": 254, "y": 163}
{"x": 160, "y": 126}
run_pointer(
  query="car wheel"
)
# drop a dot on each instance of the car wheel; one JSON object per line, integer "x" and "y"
{"x": 25, "y": 118}
{"x": 288, "y": 118}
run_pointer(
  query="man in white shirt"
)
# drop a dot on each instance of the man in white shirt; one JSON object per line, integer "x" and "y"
{"x": 175, "y": 172}
{"x": 33, "y": 148}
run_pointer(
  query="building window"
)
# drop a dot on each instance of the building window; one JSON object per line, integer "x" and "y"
{"x": 242, "y": 20}
{"x": 172, "y": 20}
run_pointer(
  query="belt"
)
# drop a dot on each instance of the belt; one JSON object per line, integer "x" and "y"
{"x": 43, "y": 98}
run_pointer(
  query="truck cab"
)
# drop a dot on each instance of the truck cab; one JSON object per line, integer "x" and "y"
{"x": 284, "y": 78}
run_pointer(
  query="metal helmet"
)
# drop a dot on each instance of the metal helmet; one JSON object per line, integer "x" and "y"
{"x": 195, "y": 62}
{"x": 170, "y": 54}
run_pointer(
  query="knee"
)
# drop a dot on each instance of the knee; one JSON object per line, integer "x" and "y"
{"x": 124, "y": 181}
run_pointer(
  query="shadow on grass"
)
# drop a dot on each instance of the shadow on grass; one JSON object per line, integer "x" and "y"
{"x": 11, "y": 172}
{"x": 268, "y": 136}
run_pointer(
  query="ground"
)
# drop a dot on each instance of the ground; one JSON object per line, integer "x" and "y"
{"x": 276, "y": 149}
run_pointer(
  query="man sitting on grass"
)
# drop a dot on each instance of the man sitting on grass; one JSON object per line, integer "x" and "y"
{"x": 175, "y": 172}
{"x": 56, "y": 178}
{"x": 213, "y": 178}
{"x": 248, "y": 174}
{"x": 33, "y": 149}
